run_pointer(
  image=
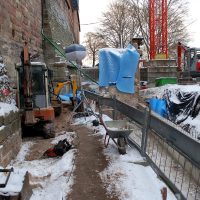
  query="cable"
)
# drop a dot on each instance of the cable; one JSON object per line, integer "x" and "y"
{"x": 90, "y": 23}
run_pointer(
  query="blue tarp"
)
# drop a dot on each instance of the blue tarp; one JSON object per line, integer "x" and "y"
{"x": 159, "y": 106}
{"x": 67, "y": 96}
{"x": 118, "y": 66}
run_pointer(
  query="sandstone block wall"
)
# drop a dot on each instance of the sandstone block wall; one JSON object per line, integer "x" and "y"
{"x": 157, "y": 68}
{"x": 61, "y": 24}
{"x": 20, "y": 20}
{"x": 10, "y": 137}
{"x": 23, "y": 20}
{"x": 91, "y": 72}
{"x": 150, "y": 74}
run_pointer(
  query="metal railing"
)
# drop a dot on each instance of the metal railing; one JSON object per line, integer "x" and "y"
{"x": 62, "y": 54}
{"x": 172, "y": 153}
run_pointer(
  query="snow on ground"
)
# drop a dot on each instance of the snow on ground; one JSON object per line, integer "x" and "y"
{"x": 7, "y": 108}
{"x": 158, "y": 92}
{"x": 132, "y": 181}
{"x": 52, "y": 177}
{"x": 23, "y": 152}
{"x": 128, "y": 180}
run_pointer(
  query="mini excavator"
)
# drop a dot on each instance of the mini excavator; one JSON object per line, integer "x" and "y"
{"x": 33, "y": 97}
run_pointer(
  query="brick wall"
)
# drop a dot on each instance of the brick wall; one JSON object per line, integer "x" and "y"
{"x": 10, "y": 137}
{"x": 20, "y": 20}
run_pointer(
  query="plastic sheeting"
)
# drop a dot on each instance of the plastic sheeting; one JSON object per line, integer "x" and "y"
{"x": 118, "y": 66}
{"x": 181, "y": 105}
{"x": 66, "y": 97}
{"x": 75, "y": 52}
{"x": 158, "y": 106}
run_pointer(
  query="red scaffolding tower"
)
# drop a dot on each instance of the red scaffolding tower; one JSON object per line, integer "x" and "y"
{"x": 158, "y": 28}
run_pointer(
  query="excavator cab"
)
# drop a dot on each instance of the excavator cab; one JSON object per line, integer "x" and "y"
{"x": 192, "y": 62}
{"x": 34, "y": 99}
{"x": 188, "y": 61}
{"x": 40, "y": 96}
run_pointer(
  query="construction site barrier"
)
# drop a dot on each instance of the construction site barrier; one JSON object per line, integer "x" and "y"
{"x": 172, "y": 152}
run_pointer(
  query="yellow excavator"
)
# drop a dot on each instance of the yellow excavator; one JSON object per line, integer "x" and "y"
{"x": 64, "y": 92}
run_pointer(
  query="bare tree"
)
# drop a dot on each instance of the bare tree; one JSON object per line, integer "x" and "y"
{"x": 130, "y": 18}
{"x": 177, "y": 27}
{"x": 118, "y": 24}
{"x": 94, "y": 42}
{"x": 177, "y": 12}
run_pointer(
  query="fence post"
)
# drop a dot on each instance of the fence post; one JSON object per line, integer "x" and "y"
{"x": 114, "y": 107}
{"x": 99, "y": 106}
{"x": 145, "y": 130}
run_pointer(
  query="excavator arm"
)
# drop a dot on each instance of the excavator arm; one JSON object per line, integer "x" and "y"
{"x": 59, "y": 86}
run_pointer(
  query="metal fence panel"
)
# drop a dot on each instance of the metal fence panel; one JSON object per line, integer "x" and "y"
{"x": 183, "y": 142}
{"x": 173, "y": 153}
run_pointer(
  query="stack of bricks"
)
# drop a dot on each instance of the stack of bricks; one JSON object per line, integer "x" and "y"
{"x": 10, "y": 137}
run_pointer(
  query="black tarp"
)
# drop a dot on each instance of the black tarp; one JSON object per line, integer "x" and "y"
{"x": 181, "y": 105}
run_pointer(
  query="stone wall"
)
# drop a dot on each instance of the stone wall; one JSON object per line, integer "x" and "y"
{"x": 92, "y": 73}
{"x": 61, "y": 25}
{"x": 60, "y": 72}
{"x": 150, "y": 74}
{"x": 160, "y": 63}
{"x": 23, "y": 20}
{"x": 10, "y": 137}
{"x": 154, "y": 69}
{"x": 20, "y": 20}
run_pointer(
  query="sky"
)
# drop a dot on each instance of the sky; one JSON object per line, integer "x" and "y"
{"x": 90, "y": 12}
{"x": 194, "y": 28}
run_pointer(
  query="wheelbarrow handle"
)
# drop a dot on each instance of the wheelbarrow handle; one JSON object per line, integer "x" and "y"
{"x": 102, "y": 122}
{"x": 106, "y": 141}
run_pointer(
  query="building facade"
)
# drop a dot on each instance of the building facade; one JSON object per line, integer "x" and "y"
{"x": 24, "y": 20}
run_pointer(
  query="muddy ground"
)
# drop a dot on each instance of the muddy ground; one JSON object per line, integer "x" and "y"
{"x": 89, "y": 160}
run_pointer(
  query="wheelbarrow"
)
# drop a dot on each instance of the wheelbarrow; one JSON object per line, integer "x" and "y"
{"x": 118, "y": 131}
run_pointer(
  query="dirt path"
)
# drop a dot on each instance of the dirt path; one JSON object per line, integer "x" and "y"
{"x": 62, "y": 124}
{"x": 90, "y": 160}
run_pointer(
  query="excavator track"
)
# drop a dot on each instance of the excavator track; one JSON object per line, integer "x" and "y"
{"x": 49, "y": 130}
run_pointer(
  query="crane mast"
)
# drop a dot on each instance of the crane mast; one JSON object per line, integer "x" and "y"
{"x": 158, "y": 29}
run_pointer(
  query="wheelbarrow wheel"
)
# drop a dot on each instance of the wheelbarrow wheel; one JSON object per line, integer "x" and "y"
{"x": 121, "y": 145}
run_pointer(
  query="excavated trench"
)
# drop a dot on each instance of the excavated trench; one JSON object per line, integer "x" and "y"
{"x": 89, "y": 159}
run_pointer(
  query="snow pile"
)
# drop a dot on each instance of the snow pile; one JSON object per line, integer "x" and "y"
{"x": 88, "y": 120}
{"x": 183, "y": 105}
{"x": 192, "y": 126}
{"x": 51, "y": 177}
{"x": 6, "y": 94}
{"x": 124, "y": 173}
{"x": 158, "y": 92}
{"x": 124, "y": 177}
{"x": 7, "y": 108}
